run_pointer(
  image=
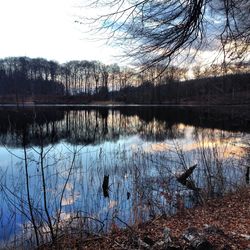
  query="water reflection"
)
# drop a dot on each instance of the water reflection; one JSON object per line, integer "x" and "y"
{"x": 54, "y": 162}
{"x": 95, "y": 126}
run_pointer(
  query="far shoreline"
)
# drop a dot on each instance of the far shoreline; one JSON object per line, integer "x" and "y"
{"x": 116, "y": 104}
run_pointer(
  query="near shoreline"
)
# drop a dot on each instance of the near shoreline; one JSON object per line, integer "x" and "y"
{"x": 223, "y": 222}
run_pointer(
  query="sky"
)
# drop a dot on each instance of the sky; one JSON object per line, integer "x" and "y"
{"x": 47, "y": 29}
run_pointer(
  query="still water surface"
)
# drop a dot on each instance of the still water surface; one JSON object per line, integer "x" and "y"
{"x": 53, "y": 163}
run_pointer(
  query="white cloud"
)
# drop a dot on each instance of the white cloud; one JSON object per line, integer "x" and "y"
{"x": 46, "y": 28}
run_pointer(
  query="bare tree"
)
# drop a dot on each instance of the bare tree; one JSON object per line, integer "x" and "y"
{"x": 156, "y": 31}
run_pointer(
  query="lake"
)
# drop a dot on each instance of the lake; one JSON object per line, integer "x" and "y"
{"x": 93, "y": 169}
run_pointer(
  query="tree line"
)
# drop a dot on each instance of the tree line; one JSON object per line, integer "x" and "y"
{"x": 38, "y": 76}
{"x": 25, "y": 77}
{"x": 229, "y": 89}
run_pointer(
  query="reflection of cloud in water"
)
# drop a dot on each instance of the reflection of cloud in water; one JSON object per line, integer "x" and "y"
{"x": 112, "y": 204}
{"x": 156, "y": 147}
{"x": 65, "y": 216}
{"x": 69, "y": 200}
{"x": 121, "y": 150}
{"x": 226, "y": 147}
{"x": 69, "y": 187}
{"x": 134, "y": 147}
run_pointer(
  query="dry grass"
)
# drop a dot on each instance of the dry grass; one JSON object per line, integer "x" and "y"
{"x": 230, "y": 215}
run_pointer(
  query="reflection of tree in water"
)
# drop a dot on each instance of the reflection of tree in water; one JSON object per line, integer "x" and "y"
{"x": 36, "y": 188}
{"x": 225, "y": 118}
{"x": 160, "y": 131}
{"x": 78, "y": 126}
{"x": 67, "y": 183}
{"x": 96, "y": 125}
{"x": 13, "y": 121}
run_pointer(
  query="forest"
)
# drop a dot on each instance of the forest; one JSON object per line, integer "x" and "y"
{"x": 27, "y": 80}
{"x": 125, "y": 124}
